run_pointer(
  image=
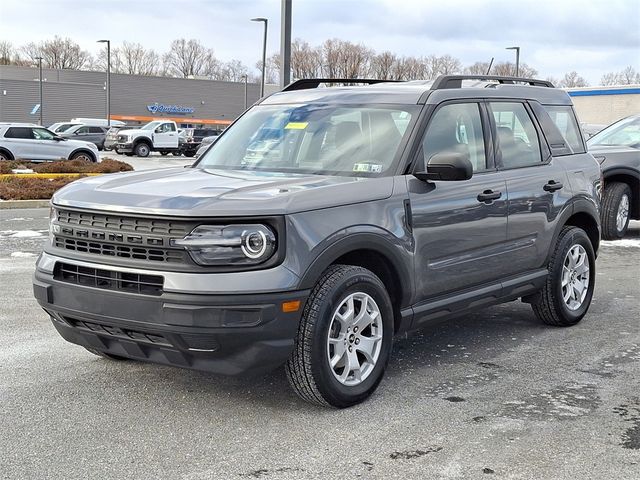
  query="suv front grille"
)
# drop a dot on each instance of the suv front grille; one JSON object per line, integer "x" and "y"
{"x": 109, "y": 279}
{"x": 122, "y": 251}
{"x": 122, "y": 224}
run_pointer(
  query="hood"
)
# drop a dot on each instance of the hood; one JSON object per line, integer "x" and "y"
{"x": 132, "y": 131}
{"x": 195, "y": 192}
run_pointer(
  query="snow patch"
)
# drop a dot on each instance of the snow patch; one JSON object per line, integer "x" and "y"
{"x": 26, "y": 234}
{"x": 22, "y": 254}
{"x": 625, "y": 243}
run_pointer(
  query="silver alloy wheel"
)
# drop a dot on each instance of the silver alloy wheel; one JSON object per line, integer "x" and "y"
{"x": 575, "y": 277}
{"x": 623, "y": 212}
{"x": 82, "y": 156}
{"x": 355, "y": 339}
{"x": 3, "y": 157}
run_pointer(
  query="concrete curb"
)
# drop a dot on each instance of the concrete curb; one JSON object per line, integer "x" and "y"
{"x": 11, "y": 204}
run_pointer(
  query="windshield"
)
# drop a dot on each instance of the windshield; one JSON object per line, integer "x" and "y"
{"x": 625, "y": 132}
{"x": 150, "y": 125}
{"x": 317, "y": 139}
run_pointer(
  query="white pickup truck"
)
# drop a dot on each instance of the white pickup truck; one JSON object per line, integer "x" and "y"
{"x": 157, "y": 136}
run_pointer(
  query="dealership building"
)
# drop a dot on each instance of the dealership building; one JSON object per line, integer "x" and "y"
{"x": 135, "y": 99}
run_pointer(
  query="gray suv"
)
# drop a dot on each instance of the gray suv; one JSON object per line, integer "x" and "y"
{"x": 326, "y": 221}
{"x": 617, "y": 148}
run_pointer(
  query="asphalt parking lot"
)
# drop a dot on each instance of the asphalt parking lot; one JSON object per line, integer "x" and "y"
{"x": 154, "y": 160}
{"x": 490, "y": 395}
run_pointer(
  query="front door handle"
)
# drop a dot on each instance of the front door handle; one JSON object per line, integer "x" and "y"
{"x": 489, "y": 196}
{"x": 552, "y": 186}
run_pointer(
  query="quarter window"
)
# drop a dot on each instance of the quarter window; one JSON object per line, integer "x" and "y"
{"x": 456, "y": 127}
{"x": 518, "y": 142}
{"x": 18, "y": 132}
{"x": 566, "y": 122}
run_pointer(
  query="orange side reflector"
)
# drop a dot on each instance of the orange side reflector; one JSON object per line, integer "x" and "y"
{"x": 292, "y": 306}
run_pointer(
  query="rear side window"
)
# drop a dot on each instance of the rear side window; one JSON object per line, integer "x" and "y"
{"x": 82, "y": 130}
{"x": 95, "y": 130}
{"x": 565, "y": 120}
{"x": 518, "y": 142}
{"x": 19, "y": 132}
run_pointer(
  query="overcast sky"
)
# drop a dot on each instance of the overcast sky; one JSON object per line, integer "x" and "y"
{"x": 591, "y": 37}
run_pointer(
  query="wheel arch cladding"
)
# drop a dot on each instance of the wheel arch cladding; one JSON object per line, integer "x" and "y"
{"x": 8, "y": 154}
{"x": 586, "y": 222}
{"x": 374, "y": 253}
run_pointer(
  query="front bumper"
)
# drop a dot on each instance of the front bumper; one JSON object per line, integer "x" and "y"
{"x": 221, "y": 333}
{"x": 123, "y": 147}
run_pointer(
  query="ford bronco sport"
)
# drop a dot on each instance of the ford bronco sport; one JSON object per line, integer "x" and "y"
{"x": 326, "y": 221}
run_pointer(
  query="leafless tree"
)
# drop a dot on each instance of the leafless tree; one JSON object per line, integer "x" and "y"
{"x": 7, "y": 53}
{"x": 306, "y": 61}
{"x": 444, "y": 65}
{"x": 628, "y": 76}
{"x": 62, "y": 53}
{"x": 382, "y": 65}
{"x": 572, "y": 79}
{"x": 188, "y": 58}
{"x": 478, "y": 68}
{"x": 508, "y": 69}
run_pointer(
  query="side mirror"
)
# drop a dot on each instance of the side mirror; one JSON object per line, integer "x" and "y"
{"x": 77, "y": 133}
{"x": 158, "y": 130}
{"x": 447, "y": 166}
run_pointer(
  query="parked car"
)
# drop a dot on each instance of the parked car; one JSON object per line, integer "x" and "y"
{"x": 206, "y": 142}
{"x": 62, "y": 126}
{"x": 99, "y": 122}
{"x": 590, "y": 129}
{"x": 87, "y": 133}
{"x": 617, "y": 148}
{"x": 192, "y": 138}
{"x": 111, "y": 138}
{"x": 157, "y": 136}
{"x": 30, "y": 142}
{"x": 387, "y": 207}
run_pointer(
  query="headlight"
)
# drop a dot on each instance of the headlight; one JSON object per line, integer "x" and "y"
{"x": 229, "y": 245}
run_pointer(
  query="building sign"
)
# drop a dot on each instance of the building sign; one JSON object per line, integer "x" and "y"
{"x": 175, "y": 109}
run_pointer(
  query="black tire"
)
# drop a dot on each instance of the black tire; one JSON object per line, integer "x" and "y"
{"x": 308, "y": 369}
{"x": 189, "y": 153}
{"x": 177, "y": 154}
{"x": 614, "y": 193}
{"x": 129, "y": 154}
{"x": 104, "y": 354}
{"x": 142, "y": 150}
{"x": 83, "y": 156}
{"x": 549, "y": 305}
{"x": 5, "y": 155}
{"x": 164, "y": 153}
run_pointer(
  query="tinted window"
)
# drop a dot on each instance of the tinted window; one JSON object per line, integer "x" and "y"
{"x": 95, "y": 130}
{"x": 456, "y": 128}
{"x": 82, "y": 130}
{"x": 518, "y": 142}
{"x": 566, "y": 122}
{"x": 18, "y": 132}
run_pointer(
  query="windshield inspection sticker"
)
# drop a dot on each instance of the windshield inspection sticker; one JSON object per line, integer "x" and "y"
{"x": 367, "y": 167}
{"x": 296, "y": 125}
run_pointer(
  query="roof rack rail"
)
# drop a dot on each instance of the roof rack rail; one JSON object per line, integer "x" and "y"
{"x": 307, "y": 83}
{"x": 455, "y": 81}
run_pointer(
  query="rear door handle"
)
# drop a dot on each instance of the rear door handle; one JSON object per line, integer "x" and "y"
{"x": 489, "y": 196}
{"x": 552, "y": 186}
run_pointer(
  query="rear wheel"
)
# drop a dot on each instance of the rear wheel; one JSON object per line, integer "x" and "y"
{"x": 615, "y": 210}
{"x": 344, "y": 339}
{"x": 164, "y": 152}
{"x": 142, "y": 150}
{"x": 566, "y": 296}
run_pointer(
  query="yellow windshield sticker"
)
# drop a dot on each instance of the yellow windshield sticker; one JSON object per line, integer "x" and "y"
{"x": 296, "y": 125}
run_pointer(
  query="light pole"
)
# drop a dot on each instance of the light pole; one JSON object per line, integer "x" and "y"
{"x": 264, "y": 51}
{"x": 40, "y": 76}
{"x": 108, "y": 42}
{"x": 245, "y": 91}
{"x": 517, "y": 49}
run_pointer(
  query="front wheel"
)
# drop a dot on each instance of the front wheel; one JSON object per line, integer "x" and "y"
{"x": 566, "y": 296}
{"x": 82, "y": 156}
{"x": 100, "y": 353}
{"x": 344, "y": 338}
{"x": 142, "y": 150}
{"x": 615, "y": 210}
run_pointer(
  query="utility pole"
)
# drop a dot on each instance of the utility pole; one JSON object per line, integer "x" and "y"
{"x": 40, "y": 75}
{"x": 245, "y": 90}
{"x": 517, "y": 49}
{"x": 108, "y": 42}
{"x": 285, "y": 44}
{"x": 264, "y": 51}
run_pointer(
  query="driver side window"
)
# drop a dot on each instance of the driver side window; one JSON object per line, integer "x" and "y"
{"x": 456, "y": 128}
